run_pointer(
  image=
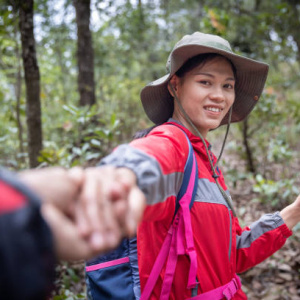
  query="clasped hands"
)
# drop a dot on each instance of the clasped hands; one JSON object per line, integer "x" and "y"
{"x": 88, "y": 210}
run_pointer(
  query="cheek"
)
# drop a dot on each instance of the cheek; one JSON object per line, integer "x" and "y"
{"x": 192, "y": 95}
{"x": 186, "y": 98}
{"x": 231, "y": 100}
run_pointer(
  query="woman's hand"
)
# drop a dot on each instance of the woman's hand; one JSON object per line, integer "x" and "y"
{"x": 291, "y": 213}
{"x": 110, "y": 206}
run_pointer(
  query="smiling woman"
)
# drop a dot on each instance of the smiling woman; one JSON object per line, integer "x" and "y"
{"x": 189, "y": 244}
{"x": 206, "y": 92}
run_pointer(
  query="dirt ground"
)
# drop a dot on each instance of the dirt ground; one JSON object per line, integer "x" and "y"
{"x": 278, "y": 277}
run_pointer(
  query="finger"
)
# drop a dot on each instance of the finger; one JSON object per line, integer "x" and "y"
{"x": 86, "y": 209}
{"x": 119, "y": 199}
{"x": 91, "y": 193}
{"x": 76, "y": 176}
{"x": 120, "y": 209}
{"x": 137, "y": 204}
{"x": 127, "y": 177}
{"x": 68, "y": 244}
{"x": 81, "y": 220}
{"x": 127, "y": 181}
{"x": 109, "y": 226}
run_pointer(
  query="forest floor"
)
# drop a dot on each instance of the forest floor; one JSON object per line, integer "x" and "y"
{"x": 276, "y": 278}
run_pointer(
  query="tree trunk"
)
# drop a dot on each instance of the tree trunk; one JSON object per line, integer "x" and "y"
{"x": 32, "y": 80}
{"x": 63, "y": 70}
{"x": 296, "y": 21}
{"x": 17, "y": 87}
{"x": 250, "y": 162}
{"x": 85, "y": 54}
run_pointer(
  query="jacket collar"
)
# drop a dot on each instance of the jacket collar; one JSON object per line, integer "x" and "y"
{"x": 198, "y": 145}
{"x": 195, "y": 140}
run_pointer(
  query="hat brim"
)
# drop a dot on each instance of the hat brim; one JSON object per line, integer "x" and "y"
{"x": 251, "y": 76}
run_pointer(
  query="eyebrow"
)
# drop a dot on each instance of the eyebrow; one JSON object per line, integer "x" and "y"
{"x": 210, "y": 75}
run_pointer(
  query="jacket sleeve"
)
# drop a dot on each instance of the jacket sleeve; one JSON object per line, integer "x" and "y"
{"x": 259, "y": 241}
{"x": 26, "y": 249}
{"x": 158, "y": 161}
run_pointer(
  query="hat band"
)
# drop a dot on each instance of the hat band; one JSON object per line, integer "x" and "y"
{"x": 214, "y": 45}
{"x": 218, "y": 46}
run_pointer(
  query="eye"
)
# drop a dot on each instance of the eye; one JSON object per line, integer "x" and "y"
{"x": 204, "y": 82}
{"x": 229, "y": 86}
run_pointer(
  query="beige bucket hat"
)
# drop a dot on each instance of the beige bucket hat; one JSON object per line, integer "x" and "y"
{"x": 251, "y": 76}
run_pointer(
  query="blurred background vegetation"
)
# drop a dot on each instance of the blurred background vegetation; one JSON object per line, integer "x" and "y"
{"x": 90, "y": 59}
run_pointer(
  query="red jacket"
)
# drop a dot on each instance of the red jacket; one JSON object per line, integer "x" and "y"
{"x": 223, "y": 247}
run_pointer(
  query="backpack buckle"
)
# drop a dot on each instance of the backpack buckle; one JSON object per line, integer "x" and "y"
{"x": 189, "y": 250}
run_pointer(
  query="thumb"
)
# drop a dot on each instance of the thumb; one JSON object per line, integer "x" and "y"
{"x": 67, "y": 242}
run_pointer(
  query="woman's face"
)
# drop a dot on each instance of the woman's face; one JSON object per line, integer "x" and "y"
{"x": 206, "y": 93}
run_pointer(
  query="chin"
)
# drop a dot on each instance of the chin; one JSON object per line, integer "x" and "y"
{"x": 207, "y": 126}
{"x": 212, "y": 126}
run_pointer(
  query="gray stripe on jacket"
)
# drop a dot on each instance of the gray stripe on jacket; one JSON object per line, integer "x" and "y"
{"x": 156, "y": 186}
{"x": 266, "y": 223}
{"x": 208, "y": 192}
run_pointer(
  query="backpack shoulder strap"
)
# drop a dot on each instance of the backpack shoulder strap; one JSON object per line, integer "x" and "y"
{"x": 187, "y": 169}
{"x": 187, "y": 173}
{"x": 187, "y": 194}
{"x": 187, "y": 177}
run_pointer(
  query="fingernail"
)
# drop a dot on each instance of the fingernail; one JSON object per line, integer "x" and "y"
{"x": 97, "y": 240}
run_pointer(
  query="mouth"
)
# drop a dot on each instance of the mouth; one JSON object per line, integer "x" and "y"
{"x": 213, "y": 109}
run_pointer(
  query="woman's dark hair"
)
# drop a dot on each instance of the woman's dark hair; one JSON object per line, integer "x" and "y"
{"x": 143, "y": 132}
{"x": 199, "y": 60}
{"x": 189, "y": 65}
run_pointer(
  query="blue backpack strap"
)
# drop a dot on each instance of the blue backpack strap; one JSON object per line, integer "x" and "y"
{"x": 187, "y": 174}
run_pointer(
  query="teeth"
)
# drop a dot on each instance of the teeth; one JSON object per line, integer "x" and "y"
{"x": 214, "y": 109}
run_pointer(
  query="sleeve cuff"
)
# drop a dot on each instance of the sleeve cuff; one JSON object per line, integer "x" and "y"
{"x": 286, "y": 232}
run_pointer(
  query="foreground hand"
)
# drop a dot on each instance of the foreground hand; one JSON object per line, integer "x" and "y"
{"x": 110, "y": 206}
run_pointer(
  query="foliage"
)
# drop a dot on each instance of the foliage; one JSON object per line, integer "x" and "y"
{"x": 141, "y": 35}
{"x": 81, "y": 138}
{"x": 276, "y": 194}
{"x": 234, "y": 177}
{"x": 131, "y": 41}
{"x": 69, "y": 282}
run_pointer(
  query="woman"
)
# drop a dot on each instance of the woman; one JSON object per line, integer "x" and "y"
{"x": 207, "y": 85}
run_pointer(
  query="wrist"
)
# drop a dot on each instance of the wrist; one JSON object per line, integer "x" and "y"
{"x": 291, "y": 215}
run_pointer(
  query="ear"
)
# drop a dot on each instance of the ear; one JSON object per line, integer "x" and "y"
{"x": 174, "y": 81}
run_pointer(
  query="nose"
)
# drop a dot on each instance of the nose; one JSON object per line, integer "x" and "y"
{"x": 217, "y": 94}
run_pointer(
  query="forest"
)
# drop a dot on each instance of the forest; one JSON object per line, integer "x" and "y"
{"x": 71, "y": 72}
